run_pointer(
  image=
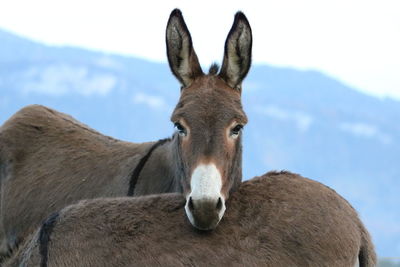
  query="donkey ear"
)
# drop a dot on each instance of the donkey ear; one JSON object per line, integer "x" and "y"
{"x": 181, "y": 56}
{"x": 237, "y": 55}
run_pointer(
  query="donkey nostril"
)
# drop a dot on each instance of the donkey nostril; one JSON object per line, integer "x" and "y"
{"x": 219, "y": 204}
{"x": 190, "y": 204}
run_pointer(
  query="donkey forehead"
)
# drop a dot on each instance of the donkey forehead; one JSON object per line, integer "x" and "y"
{"x": 210, "y": 100}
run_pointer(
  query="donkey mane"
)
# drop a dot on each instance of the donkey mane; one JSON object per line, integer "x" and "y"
{"x": 213, "y": 70}
{"x": 279, "y": 219}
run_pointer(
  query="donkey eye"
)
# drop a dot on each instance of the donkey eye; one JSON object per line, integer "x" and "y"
{"x": 181, "y": 130}
{"x": 236, "y": 130}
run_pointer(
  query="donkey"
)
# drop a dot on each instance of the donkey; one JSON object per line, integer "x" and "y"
{"x": 48, "y": 160}
{"x": 279, "y": 219}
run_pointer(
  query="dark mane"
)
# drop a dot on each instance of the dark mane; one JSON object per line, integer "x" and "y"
{"x": 213, "y": 69}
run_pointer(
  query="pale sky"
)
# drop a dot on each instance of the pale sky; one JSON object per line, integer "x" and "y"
{"x": 356, "y": 41}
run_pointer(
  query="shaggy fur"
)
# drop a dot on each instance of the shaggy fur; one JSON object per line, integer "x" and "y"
{"x": 279, "y": 219}
{"x": 48, "y": 160}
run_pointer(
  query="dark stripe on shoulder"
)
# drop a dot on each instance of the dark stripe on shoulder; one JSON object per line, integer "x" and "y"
{"x": 44, "y": 237}
{"x": 142, "y": 162}
{"x": 361, "y": 258}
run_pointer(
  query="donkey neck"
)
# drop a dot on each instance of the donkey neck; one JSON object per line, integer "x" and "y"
{"x": 158, "y": 174}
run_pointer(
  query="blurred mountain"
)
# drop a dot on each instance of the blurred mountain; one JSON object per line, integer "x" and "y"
{"x": 302, "y": 121}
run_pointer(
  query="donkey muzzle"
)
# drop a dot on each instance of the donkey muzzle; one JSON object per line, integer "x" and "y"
{"x": 205, "y": 214}
{"x": 205, "y": 205}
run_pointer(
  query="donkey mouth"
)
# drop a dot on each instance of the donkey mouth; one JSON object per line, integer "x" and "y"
{"x": 205, "y": 214}
{"x": 205, "y": 226}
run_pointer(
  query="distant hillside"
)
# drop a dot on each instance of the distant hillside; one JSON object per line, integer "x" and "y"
{"x": 302, "y": 121}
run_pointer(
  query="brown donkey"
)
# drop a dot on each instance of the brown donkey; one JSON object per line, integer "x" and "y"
{"x": 49, "y": 160}
{"x": 279, "y": 219}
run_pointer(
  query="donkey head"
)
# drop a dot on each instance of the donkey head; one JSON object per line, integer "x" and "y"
{"x": 209, "y": 119}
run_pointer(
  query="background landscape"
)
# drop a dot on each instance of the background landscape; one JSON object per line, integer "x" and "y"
{"x": 302, "y": 121}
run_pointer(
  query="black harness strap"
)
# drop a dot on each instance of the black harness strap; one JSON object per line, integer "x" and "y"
{"x": 136, "y": 172}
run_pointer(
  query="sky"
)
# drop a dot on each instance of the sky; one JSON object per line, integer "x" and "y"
{"x": 355, "y": 41}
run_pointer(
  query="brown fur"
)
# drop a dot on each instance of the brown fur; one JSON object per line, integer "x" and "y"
{"x": 49, "y": 160}
{"x": 279, "y": 219}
